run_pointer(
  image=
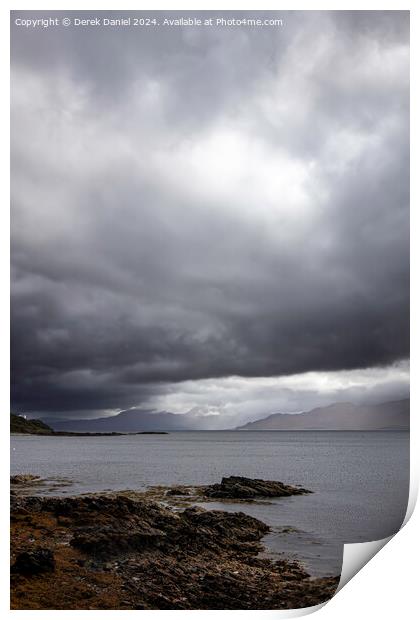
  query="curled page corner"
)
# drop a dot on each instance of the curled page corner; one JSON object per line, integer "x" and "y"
{"x": 356, "y": 556}
{"x": 288, "y": 613}
{"x": 285, "y": 613}
{"x": 412, "y": 498}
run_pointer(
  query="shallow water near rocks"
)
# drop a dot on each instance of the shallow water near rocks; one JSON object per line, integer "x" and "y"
{"x": 360, "y": 479}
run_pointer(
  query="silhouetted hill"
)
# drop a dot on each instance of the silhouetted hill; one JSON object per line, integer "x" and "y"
{"x": 18, "y": 424}
{"x": 394, "y": 415}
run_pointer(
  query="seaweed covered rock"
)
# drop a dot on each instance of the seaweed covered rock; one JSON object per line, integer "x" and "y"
{"x": 23, "y": 479}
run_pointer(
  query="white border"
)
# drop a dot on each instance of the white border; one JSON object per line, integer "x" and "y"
{"x": 386, "y": 586}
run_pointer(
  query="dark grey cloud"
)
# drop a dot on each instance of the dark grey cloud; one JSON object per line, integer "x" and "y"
{"x": 191, "y": 204}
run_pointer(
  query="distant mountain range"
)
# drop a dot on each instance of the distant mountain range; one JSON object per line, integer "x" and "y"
{"x": 130, "y": 421}
{"x": 394, "y": 415}
{"x": 338, "y": 417}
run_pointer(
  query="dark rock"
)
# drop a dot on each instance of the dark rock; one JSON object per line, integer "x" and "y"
{"x": 238, "y": 487}
{"x": 229, "y": 528}
{"x": 39, "y": 560}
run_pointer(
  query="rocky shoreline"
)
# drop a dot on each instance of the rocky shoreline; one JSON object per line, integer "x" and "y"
{"x": 128, "y": 551}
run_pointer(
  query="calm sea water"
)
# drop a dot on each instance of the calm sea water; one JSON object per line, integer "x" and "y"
{"x": 360, "y": 479}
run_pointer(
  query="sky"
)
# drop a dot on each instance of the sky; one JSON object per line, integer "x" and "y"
{"x": 211, "y": 220}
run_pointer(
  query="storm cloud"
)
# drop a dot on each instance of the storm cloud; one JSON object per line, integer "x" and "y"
{"x": 194, "y": 204}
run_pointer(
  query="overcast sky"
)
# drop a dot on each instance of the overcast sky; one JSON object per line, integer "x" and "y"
{"x": 210, "y": 219}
